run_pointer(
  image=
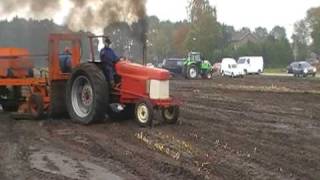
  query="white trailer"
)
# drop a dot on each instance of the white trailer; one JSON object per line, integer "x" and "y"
{"x": 251, "y": 64}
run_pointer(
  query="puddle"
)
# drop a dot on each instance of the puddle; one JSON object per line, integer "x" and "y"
{"x": 61, "y": 165}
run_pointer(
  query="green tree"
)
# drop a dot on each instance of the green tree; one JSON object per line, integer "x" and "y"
{"x": 274, "y": 47}
{"x": 313, "y": 18}
{"x": 197, "y": 8}
{"x": 278, "y": 32}
{"x": 301, "y": 39}
{"x": 249, "y": 49}
{"x": 180, "y": 33}
{"x": 160, "y": 43}
{"x": 204, "y": 34}
{"x": 277, "y": 52}
{"x": 261, "y": 33}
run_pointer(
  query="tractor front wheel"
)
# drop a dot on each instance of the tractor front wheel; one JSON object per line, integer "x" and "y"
{"x": 192, "y": 72}
{"x": 144, "y": 113}
{"x": 87, "y": 94}
{"x": 171, "y": 114}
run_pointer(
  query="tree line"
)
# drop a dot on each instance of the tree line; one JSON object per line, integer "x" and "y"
{"x": 202, "y": 32}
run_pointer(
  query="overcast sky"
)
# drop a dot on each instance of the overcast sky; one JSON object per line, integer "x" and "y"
{"x": 240, "y": 13}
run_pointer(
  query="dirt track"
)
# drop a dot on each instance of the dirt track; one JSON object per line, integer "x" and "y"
{"x": 251, "y": 128}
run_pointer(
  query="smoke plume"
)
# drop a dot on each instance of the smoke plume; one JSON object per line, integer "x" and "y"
{"x": 83, "y": 15}
{"x": 35, "y": 7}
{"x": 86, "y": 15}
{"x": 92, "y": 14}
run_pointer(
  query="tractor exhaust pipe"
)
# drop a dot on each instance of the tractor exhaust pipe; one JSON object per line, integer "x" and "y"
{"x": 144, "y": 53}
{"x": 144, "y": 40}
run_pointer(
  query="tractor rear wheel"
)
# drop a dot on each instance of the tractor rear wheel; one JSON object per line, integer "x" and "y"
{"x": 192, "y": 72}
{"x": 171, "y": 114}
{"x": 87, "y": 94}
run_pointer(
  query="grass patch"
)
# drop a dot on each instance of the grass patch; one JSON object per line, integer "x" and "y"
{"x": 275, "y": 70}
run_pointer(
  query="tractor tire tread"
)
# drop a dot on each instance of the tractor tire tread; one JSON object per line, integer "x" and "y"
{"x": 100, "y": 90}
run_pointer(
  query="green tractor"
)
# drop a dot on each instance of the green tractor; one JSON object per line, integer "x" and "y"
{"x": 194, "y": 67}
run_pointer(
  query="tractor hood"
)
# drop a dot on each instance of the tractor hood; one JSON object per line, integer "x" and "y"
{"x": 126, "y": 68}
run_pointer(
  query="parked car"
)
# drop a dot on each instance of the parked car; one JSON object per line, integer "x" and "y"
{"x": 229, "y": 67}
{"x": 302, "y": 68}
{"x": 174, "y": 65}
{"x": 216, "y": 68}
{"x": 251, "y": 64}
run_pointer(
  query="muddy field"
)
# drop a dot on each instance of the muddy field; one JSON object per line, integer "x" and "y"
{"x": 251, "y": 128}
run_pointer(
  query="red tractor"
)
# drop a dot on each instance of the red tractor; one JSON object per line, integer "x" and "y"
{"x": 85, "y": 94}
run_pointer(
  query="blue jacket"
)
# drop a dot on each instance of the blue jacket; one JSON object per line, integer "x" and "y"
{"x": 65, "y": 62}
{"x": 108, "y": 56}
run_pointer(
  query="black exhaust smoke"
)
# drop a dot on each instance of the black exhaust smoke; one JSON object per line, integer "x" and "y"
{"x": 84, "y": 15}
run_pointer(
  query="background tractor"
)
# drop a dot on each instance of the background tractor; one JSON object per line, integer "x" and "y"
{"x": 195, "y": 67}
{"x": 85, "y": 95}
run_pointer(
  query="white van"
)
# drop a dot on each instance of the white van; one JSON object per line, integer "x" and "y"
{"x": 229, "y": 67}
{"x": 251, "y": 64}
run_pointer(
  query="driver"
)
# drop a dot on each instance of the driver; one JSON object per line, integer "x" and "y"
{"x": 108, "y": 59}
{"x": 65, "y": 60}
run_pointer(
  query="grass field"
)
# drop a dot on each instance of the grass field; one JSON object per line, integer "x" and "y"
{"x": 275, "y": 70}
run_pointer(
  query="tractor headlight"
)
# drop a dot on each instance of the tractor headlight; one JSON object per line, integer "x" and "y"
{"x": 314, "y": 69}
{"x": 305, "y": 71}
{"x": 159, "y": 89}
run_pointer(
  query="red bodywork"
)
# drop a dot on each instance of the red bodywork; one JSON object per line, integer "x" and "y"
{"x": 16, "y": 60}
{"x": 135, "y": 80}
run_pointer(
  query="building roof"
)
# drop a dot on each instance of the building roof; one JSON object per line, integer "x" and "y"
{"x": 239, "y": 36}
